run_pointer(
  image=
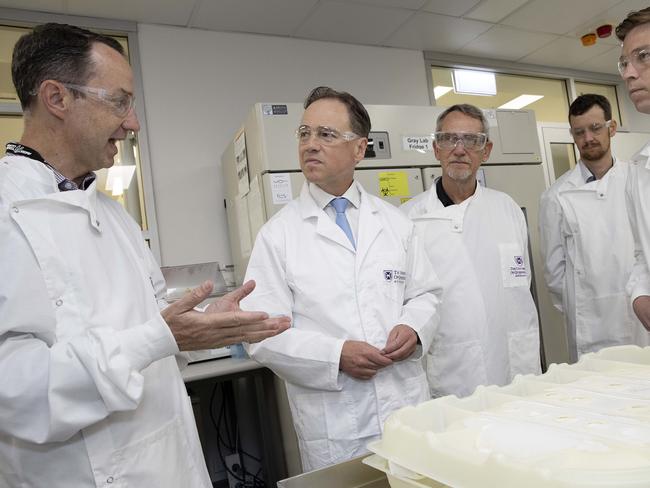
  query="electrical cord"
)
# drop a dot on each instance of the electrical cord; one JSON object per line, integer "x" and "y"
{"x": 226, "y": 417}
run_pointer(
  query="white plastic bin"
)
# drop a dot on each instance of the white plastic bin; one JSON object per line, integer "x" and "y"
{"x": 581, "y": 426}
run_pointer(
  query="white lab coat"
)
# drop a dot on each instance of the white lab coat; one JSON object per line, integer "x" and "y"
{"x": 306, "y": 268}
{"x": 488, "y": 329}
{"x": 587, "y": 248}
{"x": 90, "y": 392}
{"x": 638, "y": 206}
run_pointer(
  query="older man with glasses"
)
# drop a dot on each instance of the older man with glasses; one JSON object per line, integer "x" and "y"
{"x": 579, "y": 215}
{"x": 350, "y": 271}
{"x": 634, "y": 66}
{"x": 477, "y": 241}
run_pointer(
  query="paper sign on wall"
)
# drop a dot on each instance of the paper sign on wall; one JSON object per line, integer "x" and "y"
{"x": 281, "y": 188}
{"x": 393, "y": 183}
{"x": 241, "y": 160}
{"x": 417, "y": 143}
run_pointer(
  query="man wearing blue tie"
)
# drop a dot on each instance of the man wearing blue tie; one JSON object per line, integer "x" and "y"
{"x": 347, "y": 267}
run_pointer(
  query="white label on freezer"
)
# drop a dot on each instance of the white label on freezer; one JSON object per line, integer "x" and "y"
{"x": 491, "y": 117}
{"x": 241, "y": 160}
{"x": 417, "y": 143}
{"x": 281, "y": 188}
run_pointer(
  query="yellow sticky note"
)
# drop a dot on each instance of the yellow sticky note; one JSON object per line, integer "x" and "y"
{"x": 393, "y": 183}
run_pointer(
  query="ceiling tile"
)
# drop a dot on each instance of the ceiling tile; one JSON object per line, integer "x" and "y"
{"x": 279, "y": 17}
{"x": 604, "y": 63}
{"x": 431, "y": 32}
{"x": 506, "y": 43}
{"x": 565, "y": 52}
{"x": 352, "y": 23}
{"x": 494, "y": 10}
{"x": 445, "y": 7}
{"x": 556, "y": 16}
{"x": 170, "y": 12}
{"x": 408, "y": 4}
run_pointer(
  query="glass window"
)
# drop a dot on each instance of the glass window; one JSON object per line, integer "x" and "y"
{"x": 551, "y": 107}
{"x": 564, "y": 157}
{"x": 608, "y": 91}
{"x": 122, "y": 182}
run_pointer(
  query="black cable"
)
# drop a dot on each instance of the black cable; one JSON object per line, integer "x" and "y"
{"x": 232, "y": 421}
{"x": 215, "y": 423}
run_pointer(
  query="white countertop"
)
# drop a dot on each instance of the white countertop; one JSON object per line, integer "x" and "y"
{"x": 218, "y": 367}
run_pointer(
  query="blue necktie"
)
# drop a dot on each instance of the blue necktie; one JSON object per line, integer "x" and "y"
{"x": 340, "y": 204}
{"x": 591, "y": 178}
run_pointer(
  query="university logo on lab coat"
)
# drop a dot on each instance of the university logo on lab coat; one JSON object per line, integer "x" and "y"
{"x": 394, "y": 276}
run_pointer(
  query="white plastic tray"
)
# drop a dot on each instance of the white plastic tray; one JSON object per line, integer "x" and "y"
{"x": 578, "y": 426}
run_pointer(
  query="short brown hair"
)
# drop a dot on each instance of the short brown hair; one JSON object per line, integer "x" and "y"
{"x": 632, "y": 20}
{"x": 359, "y": 118}
{"x": 54, "y": 52}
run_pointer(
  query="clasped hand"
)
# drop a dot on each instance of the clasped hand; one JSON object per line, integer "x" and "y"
{"x": 362, "y": 361}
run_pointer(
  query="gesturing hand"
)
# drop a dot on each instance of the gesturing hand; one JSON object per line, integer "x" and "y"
{"x": 223, "y": 323}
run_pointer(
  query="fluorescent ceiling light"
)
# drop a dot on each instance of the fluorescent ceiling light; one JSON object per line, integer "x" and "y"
{"x": 521, "y": 101}
{"x": 440, "y": 90}
{"x": 472, "y": 82}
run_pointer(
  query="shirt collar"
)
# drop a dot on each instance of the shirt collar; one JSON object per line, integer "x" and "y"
{"x": 322, "y": 198}
{"x": 63, "y": 183}
{"x": 584, "y": 171}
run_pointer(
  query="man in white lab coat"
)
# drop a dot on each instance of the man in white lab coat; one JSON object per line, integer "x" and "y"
{"x": 477, "y": 241}
{"x": 634, "y": 66}
{"x": 579, "y": 215}
{"x": 361, "y": 292}
{"x": 90, "y": 391}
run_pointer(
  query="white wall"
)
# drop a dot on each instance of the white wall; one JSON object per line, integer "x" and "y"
{"x": 198, "y": 87}
{"x": 634, "y": 121}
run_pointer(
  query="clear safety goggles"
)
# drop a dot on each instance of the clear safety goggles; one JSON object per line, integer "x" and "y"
{"x": 472, "y": 141}
{"x": 325, "y": 135}
{"x": 595, "y": 129}
{"x": 121, "y": 104}
{"x": 640, "y": 59}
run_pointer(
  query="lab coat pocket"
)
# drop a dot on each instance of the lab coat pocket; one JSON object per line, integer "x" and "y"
{"x": 416, "y": 389}
{"x": 455, "y": 368}
{"x": 169, "y": 450}
{"x": 604, "y": 321}
{"x": 325, "y": 415}
{"x": 514, "y": 270}
{"x": 523, "y": 350}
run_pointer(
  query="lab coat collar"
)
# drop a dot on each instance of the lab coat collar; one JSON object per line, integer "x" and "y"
{"x": 576, "y": 181}
{"x": 642, "y": 156}
{"x": 434, "y": 209}
{"x": 36, "y": 182}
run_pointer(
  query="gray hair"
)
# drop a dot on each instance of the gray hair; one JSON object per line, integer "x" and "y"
{"x": 469, "y": 110}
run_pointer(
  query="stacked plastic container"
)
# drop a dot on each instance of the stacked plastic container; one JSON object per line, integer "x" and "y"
{"x": 576, "y": 426}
